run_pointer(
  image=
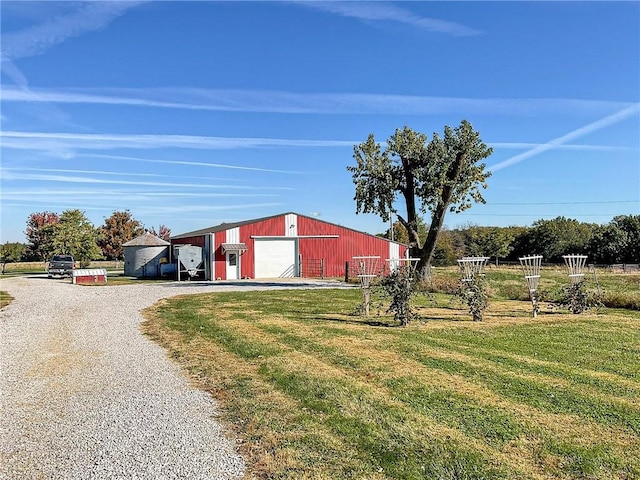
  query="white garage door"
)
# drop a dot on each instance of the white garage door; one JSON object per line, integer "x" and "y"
{"x": 275, "y": 258}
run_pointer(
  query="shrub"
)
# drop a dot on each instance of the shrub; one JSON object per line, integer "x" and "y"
{"x": 577, "y": 299}
{"x": 474, "y": 293}
{"x": 400, "y": 286}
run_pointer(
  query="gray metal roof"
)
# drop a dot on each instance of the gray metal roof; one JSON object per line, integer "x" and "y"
{"x": 146, "y": 240}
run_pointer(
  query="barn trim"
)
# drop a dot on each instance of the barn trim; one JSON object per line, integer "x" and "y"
{"x": 287, "y": 237}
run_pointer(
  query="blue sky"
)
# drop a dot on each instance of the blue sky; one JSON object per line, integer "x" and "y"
{"x": 193, "y": 113}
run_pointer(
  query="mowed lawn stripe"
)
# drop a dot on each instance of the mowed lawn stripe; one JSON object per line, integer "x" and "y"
{"x": 403, "y": 442}
{"x": 552, "y": 393}
{"x": 547, "y": 394}
{"x": 279, "y": 435}
{"x": 248, "y": 340}
{"x": 570, "y": 340}
{"x": 319, "y": 393}
{"x": 368, "y": 365}
{"x": 348, "y": 409}
{"x": 475, "y": 412}
{"x": 603, "y": 381}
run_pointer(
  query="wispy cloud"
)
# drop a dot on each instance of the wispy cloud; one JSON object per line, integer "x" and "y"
{"x": 37, "y": 39}
{"x": 59, "y": 192}
{"x": 270, "y": 101}
{"x": 579, "y": 147}
{"x": 577, "y": 133}
{"x": 67, "y": 143}
{"x": 389, "y": 12}
{"x": 91, "y": 172}
{"x": 122, "y": 173}
{"x": 192, "y": 164}
{"x": 185, "y": 212}
{"x": 12, "y": 175}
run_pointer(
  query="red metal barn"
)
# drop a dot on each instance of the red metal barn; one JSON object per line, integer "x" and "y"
{"x": 285, "y": 245}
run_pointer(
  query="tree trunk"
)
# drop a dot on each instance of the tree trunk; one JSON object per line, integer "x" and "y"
{"x": 437, "y": 219}
{"x": 411, "y": 224}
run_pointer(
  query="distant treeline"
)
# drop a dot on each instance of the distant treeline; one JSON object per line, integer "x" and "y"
{"x": 615, "y": 242}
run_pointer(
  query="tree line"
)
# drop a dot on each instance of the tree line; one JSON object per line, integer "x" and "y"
{"x": 72, "y": 233}
{"x": 617, "y": 241}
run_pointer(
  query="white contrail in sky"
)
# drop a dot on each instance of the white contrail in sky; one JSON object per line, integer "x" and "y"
{"x": 274, "y": 101}
{"x": 385, "y": 11}
{"x": 579, "y": 132}
{"x": 46, "y": 140}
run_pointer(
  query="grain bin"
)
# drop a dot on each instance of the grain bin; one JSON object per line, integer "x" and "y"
{"x": 144, "y": 254}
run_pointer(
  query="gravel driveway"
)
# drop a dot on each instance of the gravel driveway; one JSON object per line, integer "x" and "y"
{"x": 85, "y": 395}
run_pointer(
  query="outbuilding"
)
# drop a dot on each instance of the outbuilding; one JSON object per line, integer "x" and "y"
{"x": 144, "y": 254}
{"x": 285, "y": 245}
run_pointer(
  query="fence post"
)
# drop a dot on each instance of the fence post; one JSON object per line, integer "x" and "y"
{"x": 346, "y": 272}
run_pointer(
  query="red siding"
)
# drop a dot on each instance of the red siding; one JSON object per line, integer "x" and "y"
{"x": 337, "y": 251}
{"x": 90, "y": 279}
{"x": 220, "y": 258}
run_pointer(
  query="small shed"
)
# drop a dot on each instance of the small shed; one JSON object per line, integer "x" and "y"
{"x": 89, "y": 276}
{"x": 144, "y": 254}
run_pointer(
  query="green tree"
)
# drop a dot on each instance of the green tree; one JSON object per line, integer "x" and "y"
{"x": 608, "y": 244}
{"x": 557, "y": 237}
{"x": 489, "y": 241}
{"x": 630, "y": 225}
{"x": 442, "y": 175}
{"x": 39, "y": 232}
{"x": 11, "y": 252}
{"x": 449, "y": 248}
{"x": 74, "y": 234}
{"x": 119, "y": 228}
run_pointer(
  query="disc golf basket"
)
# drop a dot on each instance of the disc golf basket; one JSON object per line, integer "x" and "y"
{"x": 407, "y": 266}
{"x": 531, "y": 268}
{"x": 471, "y": 267}
{"x": 575, "y": 265}
{"x": 367, "y": 268}
{"x": 473, "y": 292}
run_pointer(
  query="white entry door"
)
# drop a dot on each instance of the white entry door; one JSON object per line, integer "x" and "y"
{"x": 233, "y": 265}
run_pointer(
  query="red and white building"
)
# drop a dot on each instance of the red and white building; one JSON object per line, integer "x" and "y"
{"x": 285, "y": 245}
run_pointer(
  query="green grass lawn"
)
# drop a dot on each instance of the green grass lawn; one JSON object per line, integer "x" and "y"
{"x": 313, "y": 391}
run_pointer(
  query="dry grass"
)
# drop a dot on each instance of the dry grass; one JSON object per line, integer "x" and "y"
{"x": 5, "y": 299}
{"x": 315, "y": 392}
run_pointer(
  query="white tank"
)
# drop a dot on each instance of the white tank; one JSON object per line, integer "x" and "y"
{"x": 189, "y": 259}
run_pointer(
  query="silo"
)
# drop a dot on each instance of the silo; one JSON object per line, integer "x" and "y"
{"x": 144, "y": 254}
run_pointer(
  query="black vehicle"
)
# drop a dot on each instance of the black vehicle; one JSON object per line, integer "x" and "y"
{"x": 62, "y": 265}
